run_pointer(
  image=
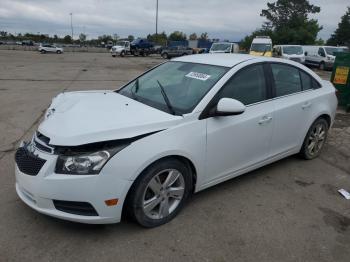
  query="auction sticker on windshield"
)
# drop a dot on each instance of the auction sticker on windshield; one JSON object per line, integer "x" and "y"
{"x": 199, "y": 76}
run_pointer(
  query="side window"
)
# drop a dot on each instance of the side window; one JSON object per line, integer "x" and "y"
{"x": 247, "y": 86}
{"x": 287, "y": 79}
{"x": 306, "y": 81}
{"x": 321, "y": 52}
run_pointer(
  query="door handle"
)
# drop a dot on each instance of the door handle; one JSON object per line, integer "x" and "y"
{"x": 306, "y": 105}
{"x": 265, "y": 119}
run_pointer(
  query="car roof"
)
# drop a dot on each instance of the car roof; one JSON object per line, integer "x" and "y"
{"x": 227, "y": 60}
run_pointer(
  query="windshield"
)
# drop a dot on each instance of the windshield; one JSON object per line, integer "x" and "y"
{"x": 121, "y": 43}
{"x": 221, "y": 47}
{"x": 332, "y": 50}
{"x": 184, "y": 84}
{"x": 292, "y": 50}
{"x": 260, "y": 47}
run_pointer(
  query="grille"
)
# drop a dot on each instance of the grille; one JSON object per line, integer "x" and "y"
{"x": 43, "y": 138}
{"x": 27, "y": 162}
{"x": 41, "y": 142}
{"x": 76, "y": 208}
{"x": 42, "y": 147}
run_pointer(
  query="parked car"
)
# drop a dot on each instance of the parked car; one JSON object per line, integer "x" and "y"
{"x": 224, "y": 47}
{"x": 321, "y": 56}
{"x": 157, "y": 49}
{"x": 27, "y": 43}
{"x": 121, "y": 48}
{"x": 181, "y": 127}
{"x": 47, "y": 48}
{"x": 169, "y": 52}
{"x": 261, "y": 46}
{"x": 109, "y": 45}
{"x": 141, "y": 46}
{"x": 292, "y": 52}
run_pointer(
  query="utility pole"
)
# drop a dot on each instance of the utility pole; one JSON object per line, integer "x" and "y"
{"x": 157, "y": 19}
{"x": 71, "y": 24}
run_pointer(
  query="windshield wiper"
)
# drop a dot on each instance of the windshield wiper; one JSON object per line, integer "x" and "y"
{"x": 166, "y": 99}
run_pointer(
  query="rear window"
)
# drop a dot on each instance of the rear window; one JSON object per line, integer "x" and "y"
{"x": 306, "y": 81}
{"x": 287, "y": 79}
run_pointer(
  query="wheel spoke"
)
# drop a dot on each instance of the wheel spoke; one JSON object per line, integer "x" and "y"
{"x": 318, "y": 129}
{"x": 322, "y": 135}
{"x": 150, "y": 204}
{"x": 311, "y": 146}
{"x": 164, "y": 208}
{"x": 155, "y": 185}
{"x": 176, "y": 192}
{"x": 171, "y": 178}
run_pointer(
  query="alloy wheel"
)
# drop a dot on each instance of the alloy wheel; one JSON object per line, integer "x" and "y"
{"x": 163, "y": 194}
{"x": 316, "y": 139}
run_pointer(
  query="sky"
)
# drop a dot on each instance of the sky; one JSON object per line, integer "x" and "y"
{"x": 223, "y": 19}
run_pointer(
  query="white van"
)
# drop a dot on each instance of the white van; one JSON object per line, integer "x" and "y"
{"x": 224, "y": 47}
{"x": 261, "y": 46}
{"x": 291, "y": 52}
{"x": 322, "y": 56}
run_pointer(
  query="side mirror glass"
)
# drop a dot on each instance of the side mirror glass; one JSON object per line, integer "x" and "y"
{"x": 305, "y": 53}
{"x": 229, "y": 106}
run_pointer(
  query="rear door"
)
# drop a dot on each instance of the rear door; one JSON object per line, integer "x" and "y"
{"x": 293, "y": 105}
{"x": 235, "y": 143}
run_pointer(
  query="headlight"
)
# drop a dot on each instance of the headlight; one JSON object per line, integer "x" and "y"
{"x": 85, "y": 164}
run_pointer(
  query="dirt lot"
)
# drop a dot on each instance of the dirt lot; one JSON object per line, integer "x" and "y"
{"x": 287, "y": 211}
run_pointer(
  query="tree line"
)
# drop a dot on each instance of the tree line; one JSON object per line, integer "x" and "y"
{"x": 161, "y": 38}
{"x": 288, "y": 22}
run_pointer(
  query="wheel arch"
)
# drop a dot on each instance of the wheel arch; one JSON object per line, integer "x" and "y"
{"x": 324, "y": 116}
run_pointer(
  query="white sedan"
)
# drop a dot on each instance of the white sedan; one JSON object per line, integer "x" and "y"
{"x": 47, "y": 48}
{"x": 183, "y": 126}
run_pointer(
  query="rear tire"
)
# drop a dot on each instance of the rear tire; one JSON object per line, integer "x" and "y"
{"x": 165, "y": 55}
{"x": 58, "y": 52}
{"x": 42, "y": 51}
{"x": 315, "y": 139}
{"x": 160, "y": 192}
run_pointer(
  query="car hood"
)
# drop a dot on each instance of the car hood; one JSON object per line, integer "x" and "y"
{"x": 78, "y": 118}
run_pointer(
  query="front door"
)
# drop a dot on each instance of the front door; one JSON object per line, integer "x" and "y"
{"x": 236, "y": 143}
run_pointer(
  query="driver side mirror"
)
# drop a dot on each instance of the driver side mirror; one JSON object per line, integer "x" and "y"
{"x": 229, "y": 107}
{"x": 305, "y": 53}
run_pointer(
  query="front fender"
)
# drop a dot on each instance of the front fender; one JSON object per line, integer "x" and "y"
{"x": 187, "y": 140}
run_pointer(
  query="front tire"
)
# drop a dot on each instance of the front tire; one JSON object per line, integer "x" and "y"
{"x": 159, "y": 193}
{"x": 165, "y": 55}
{"x": 122, "y": 54}
{"x": 315, "y": 139}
